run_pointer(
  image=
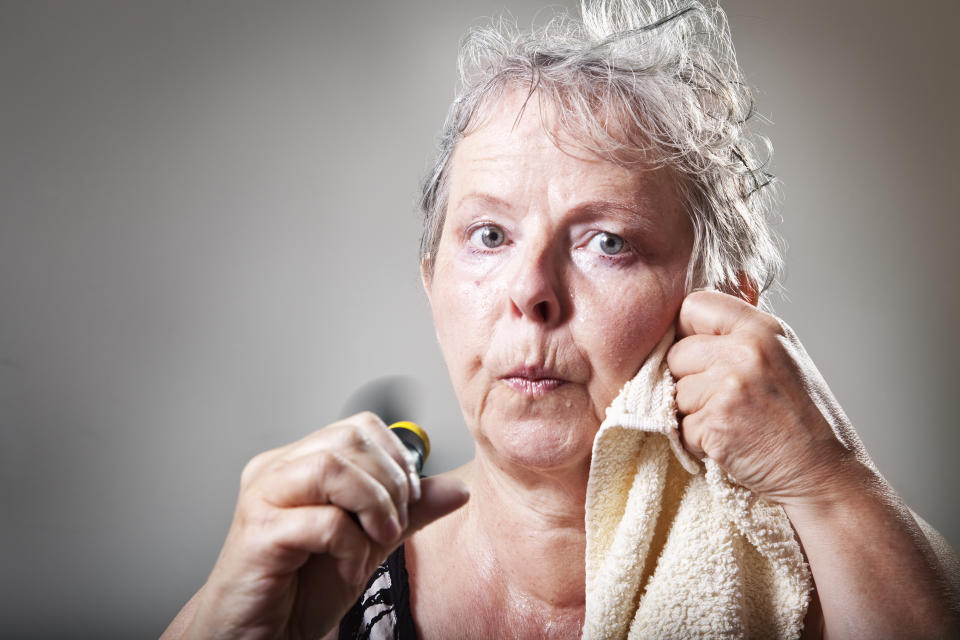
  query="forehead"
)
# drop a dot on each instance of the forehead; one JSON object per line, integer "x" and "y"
{"x": 519, "y": 147}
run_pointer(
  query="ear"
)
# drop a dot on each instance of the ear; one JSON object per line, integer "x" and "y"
{"x": 747, "y": 290}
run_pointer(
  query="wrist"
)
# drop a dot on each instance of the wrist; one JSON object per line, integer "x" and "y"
{"x": 848, "y": 486}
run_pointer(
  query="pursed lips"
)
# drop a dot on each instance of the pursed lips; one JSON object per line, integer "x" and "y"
{"x": 533, "y": 380}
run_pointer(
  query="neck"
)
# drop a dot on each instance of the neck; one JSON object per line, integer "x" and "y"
{"x": 526, "y": 531}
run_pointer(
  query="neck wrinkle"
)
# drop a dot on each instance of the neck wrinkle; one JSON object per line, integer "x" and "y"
{"x": 525, "y": 528}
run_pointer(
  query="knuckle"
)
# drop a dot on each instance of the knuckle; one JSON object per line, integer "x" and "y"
{"x": 399, "y": 480}
{"x": 255, "y": 520}
{"x": 724, "y": 404}
{"x": 685, "y": 393}
{"x": 253, "y": 467}
{"x": 353, "y": 438}
{"x": 752, "y": 356}
{"x": 368, "y": 418}
{"x": 383, "y": 501}
{"x": 265, "y": 520}
{"x": 717, "y": 448}
{"x": 733, "y": 386}
{"x": 336, "y": 523}
{"x": 778, "y": 327}
{"x": 690, "y": 423}
{"x": 693, "y": 302}
{"x": 323, "y": 466}
{"x": 261, "y": 541}
{"x": 714, "y": 433}
{"x": 770, "y": 324}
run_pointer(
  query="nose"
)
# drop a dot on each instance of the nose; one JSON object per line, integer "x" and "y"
{"x": 534, "y": 288}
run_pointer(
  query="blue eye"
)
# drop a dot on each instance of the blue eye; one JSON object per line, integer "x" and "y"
{"x": 608, "y": 243}
{"x": 489, "y": 236}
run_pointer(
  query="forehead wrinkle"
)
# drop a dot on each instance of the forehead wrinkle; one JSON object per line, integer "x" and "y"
{"x": 635, "y": 195}
{"x": 638, "y": 207}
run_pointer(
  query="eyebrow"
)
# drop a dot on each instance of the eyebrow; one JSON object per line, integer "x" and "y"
{"x": 485, "y": 199}
{"x": 627, "y": 212}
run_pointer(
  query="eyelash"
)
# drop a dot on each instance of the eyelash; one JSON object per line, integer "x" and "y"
{"x": 624, "y": 245}
{"x": 627, "y": 253}
{"x": 478, "y": 247}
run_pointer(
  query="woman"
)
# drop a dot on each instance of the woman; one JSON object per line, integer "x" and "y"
{"x": 590, "y": 177}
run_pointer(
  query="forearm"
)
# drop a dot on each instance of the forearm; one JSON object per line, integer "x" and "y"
{"x": 875, "y": 573}
{"x": 178, "y": 627}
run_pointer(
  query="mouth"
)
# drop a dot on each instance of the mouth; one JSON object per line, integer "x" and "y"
{"x": 533, "y": 381}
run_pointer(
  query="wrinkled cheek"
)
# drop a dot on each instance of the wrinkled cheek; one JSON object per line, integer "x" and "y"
{"x": 632, "y": 329}
{"x": 459, "y": 315}
{"x": 453, "y": 332}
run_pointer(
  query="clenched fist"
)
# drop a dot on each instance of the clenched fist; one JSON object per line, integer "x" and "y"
{"x": 313, "y": 520}
{"x": 752, "y": 400}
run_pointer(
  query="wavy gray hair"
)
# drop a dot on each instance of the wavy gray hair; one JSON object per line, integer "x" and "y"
{"x": 651, "y": 82}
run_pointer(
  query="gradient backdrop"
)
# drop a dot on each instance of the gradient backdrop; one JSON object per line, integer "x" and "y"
{"x": 208, "y": 241}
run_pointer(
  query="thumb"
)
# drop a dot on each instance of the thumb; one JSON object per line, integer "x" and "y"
{"x": 439, "y": 496}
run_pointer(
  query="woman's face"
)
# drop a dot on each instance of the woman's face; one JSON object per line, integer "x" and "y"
{"x": 556, "y": 274}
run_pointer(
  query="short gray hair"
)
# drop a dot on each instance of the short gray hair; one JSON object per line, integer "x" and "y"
{"x": 635, "y": 82}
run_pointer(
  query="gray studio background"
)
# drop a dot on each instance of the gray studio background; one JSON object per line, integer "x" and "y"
{"x": 208, "y": 241}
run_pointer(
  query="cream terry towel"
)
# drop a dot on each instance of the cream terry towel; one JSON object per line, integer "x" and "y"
{"x": 676, "y": 549}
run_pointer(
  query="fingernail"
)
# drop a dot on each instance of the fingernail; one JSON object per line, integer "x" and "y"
{"x": 414, "y": 486}
{"x": 403, "y": 516}
{"x": 411, "y": 462}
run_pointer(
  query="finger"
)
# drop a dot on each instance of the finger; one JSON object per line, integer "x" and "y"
{"x": 378, "y": 430}
{"x": 387, "y": 439}
{"x": 324, "y": 530}
{"x": 691, "y": 433}
{"x": 711, "y": 313}
{"x": 693, "y": 354}
{"x": 326, "y": 477}
{"x": 337, "y": 435}
{"x": 257, "y": 464}
{"x": 694, "y": 391}
{"x": 343, "y": 434}
{"x": 367, "y": 442}
{"x": 441, "y": 496}
{"x": 363, "y": 449}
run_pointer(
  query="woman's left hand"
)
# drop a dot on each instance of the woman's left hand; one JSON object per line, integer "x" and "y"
{"x": 752, "y": 400}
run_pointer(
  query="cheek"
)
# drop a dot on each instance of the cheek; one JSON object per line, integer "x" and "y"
{"x": 620, "y": 330}
{"x": 461, "y": 309}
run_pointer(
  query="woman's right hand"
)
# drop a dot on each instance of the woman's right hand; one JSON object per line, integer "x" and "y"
{"x": 313, "y": 521}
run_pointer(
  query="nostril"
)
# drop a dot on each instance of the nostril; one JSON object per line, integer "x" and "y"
{"x": 542, "y": 311}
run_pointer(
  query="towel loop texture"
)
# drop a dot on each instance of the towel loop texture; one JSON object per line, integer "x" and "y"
{"x": 675, "y": 548}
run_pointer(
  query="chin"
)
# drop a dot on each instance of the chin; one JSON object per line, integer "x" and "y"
{"x": 541, "y": 435}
